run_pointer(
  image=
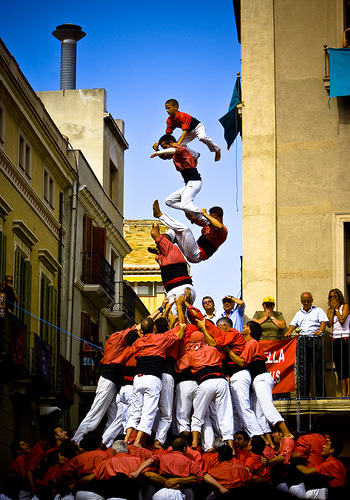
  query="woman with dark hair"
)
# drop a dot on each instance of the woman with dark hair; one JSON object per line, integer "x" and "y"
{"x": 339, "y": 321}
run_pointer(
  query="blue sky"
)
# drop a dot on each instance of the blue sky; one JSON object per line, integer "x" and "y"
{"x": 144, "y": 53}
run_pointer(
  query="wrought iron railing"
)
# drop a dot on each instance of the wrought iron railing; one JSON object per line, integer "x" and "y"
{"x": 98, "y": 271}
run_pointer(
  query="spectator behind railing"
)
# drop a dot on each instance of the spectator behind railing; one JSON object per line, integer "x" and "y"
{"x": 339, "y": 321}
{"x": 11, "y": 294}
{"x": 312, "y": 322}
{"x": 272, "y": 322}
{"x": 346, "y": 38}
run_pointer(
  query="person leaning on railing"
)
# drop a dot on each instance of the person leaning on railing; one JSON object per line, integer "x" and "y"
{"x": 272, "y": 322}
{"x": 339, "y": 321}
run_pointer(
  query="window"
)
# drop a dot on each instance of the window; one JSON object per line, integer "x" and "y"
{"x": 113, "y": 182}
{"x": 347, "y": 14}
{"x": 23, "y": 285}
{"x": 24, "y": 155}
{"x": 144, "y": 289}
{"x": 148, "y": 289}
{"x": 49, "y": 188}
{"x": 90, "y": 333}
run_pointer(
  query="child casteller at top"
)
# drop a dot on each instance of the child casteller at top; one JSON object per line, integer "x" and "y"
{"x": 191, "y": 128}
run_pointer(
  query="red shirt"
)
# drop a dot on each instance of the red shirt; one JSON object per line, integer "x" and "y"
{"x": 210, "y": 460}
{"x": 334, "y": 470}
{"x": 196, "y": 360}
{"x": 252, "y": 352}
{"x": 18, "y": 467}
{"x": 154, "y": 344}
{"x": 51, "y": 474}
{"x": 84, "y": 463}
{"x": 169, "y": 253}
{"x": 180, "y": 120}
{"x": 230, "y": 474}
{"x": 136, "y": 451}
{"x": 121, "y": 463}
{"x": 257, "y": 468}
{"x": 310, "y": 447}
{"x": 35, "y": 456}
{"x": 214, "y": 235}
{"x": 176, "y": 464}
{"x": 286, "y": 449}
{"x": 116, "y": 348}
{"x": 183, "y": 159}
{"x": 232, "y": 338}
{"x": 242, "y": 454}
{"x": 190, "y": 453}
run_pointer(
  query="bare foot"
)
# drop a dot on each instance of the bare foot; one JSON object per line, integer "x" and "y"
{"x": 156, "y": 210}
{"x": 218, "y": 155}
{"x": 153, "y": 250}
{"x": 138, "y": 444}
{"x": 157, "y": 445}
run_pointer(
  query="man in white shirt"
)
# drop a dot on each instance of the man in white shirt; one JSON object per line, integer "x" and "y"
{"x": 210, "y": 311}
{"x": 311, "y": 321}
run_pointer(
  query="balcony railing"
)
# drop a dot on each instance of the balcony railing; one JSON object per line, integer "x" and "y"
{"x": 98, "y": 271}
{"x": 26, "y": 359}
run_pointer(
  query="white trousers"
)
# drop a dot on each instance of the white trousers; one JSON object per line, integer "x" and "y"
{"x": 185, "y": 239}
{"x": 166, "y": 400}
{"x": 262, "y": 402}
{"x": 118, "y": 426}
{"x": 213, "y": 390}
{"x": 184, "y": 396}
{"x": 87, "y": 495}
{"x": 244, "y": 417}
{"x": 106, "y": 392}
{"x": 168, "y": 494}
{"x": 201, "y": 134}
{"x": 210, "y": 429}
{"x": 176, "y": 292}
{"x": 144, "y": 404}
{"x": 182, "y": 199}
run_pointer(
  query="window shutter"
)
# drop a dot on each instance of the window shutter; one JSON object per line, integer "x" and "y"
{"x": 44, "y": 306}
{"x": 87, "y": 249}
{"x": 3, "y": 247}
{"x": 27, "y": 294}
{"x": 85, "y": 325}
{"x": 18, "y": 283}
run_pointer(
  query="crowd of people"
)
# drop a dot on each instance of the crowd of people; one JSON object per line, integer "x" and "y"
{"x": 189, "y": 415}
{"x": 186, "y": 395}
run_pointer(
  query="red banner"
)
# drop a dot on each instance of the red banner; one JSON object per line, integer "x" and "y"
{"x": 280, "y": 363}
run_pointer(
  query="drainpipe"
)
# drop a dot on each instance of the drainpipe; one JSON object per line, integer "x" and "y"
{"x": 71, "y": 270}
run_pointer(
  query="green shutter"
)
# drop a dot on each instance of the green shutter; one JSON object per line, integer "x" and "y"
{"x": 44, "y": 307}
{"x": 54, "y": 303}
{"x": 3, "y": 247}
{"x": 26, "y": 300}
{"x": 17, "y": 283}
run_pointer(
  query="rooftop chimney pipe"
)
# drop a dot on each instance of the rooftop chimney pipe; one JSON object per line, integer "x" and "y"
{"x": 69, "y": 35}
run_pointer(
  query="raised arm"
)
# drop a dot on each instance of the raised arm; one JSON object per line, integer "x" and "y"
{"x": 212, "y": 220}
{"x": 209, "y": 339}
{"x": 167, "y": 151}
